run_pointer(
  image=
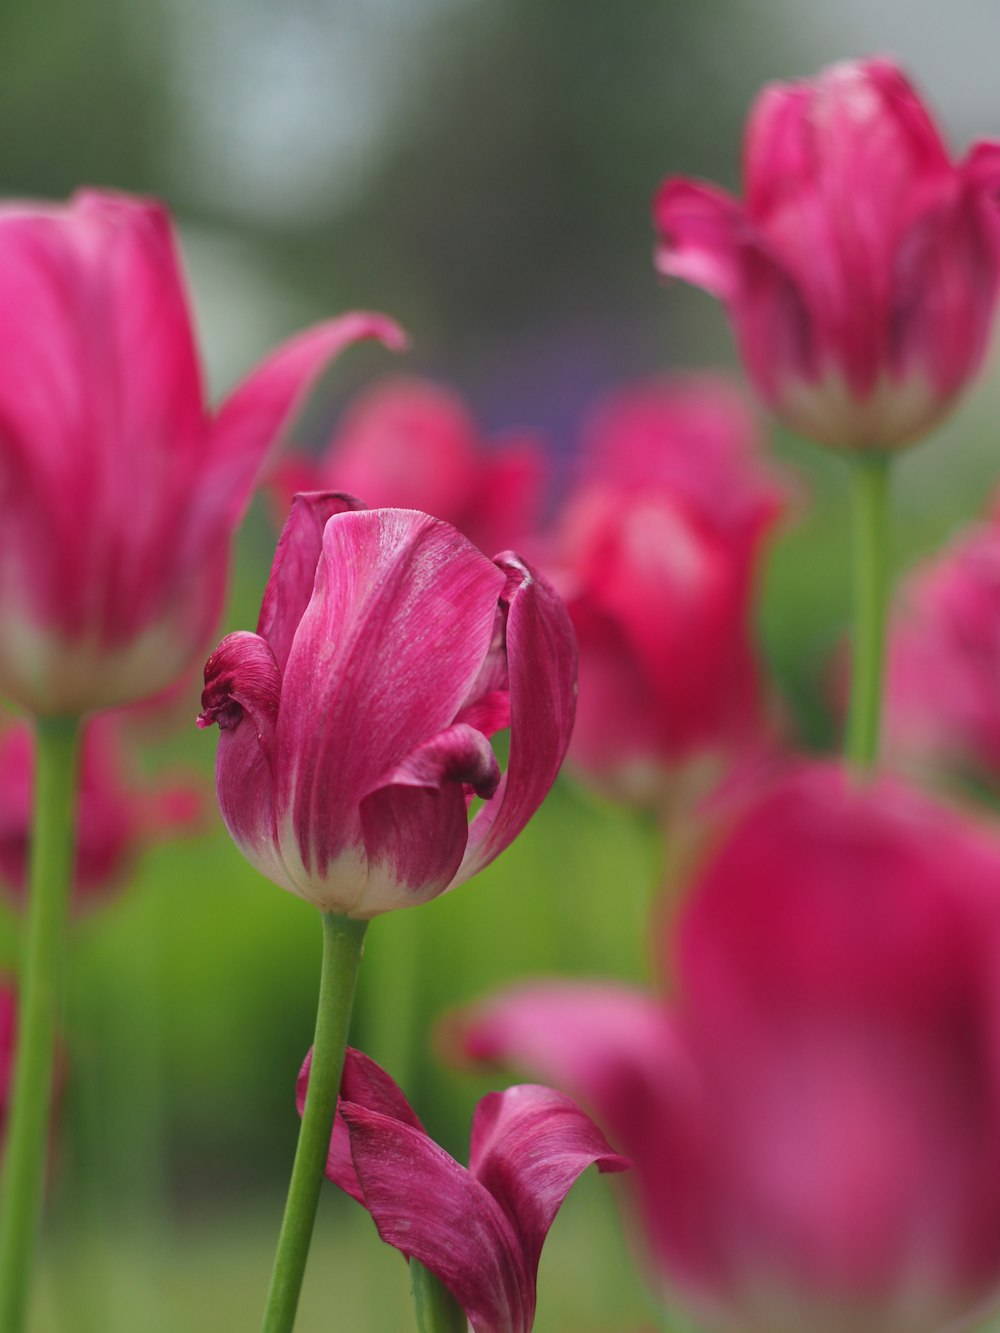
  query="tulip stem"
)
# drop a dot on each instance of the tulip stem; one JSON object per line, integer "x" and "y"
{"x": 871, "y": 586}
{"x": 40, "y": 986}
{"x": 436, "y": 1309}
{"x": 343, "y": 942}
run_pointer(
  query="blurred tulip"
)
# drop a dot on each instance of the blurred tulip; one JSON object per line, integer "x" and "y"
{"x": 480, "y": 1230}
{"x": 861, "y": 272}
{"x": 117, "y": 816}
{"x": 944, "y": 660}
{"x": 814, "y": 1124}
{"x": 412, "y": 444}
{"x": 119, "y": 491}
{"x": 656, "y": 553}
{"x": 355, "y": 723}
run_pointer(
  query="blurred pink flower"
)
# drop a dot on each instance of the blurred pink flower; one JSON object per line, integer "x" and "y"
{"x": 117, "y": 815}
{"x": 355, "y": 723}
{"x": 119, "y": 490}
{"x": 861, "y": 271}
{"x": 656, "y": 553}
{"x": 943, "y": 696}
{"x": 412, "y": 444}
{"x": 479, "y": 1230}
{"x": 814, "y": 1124}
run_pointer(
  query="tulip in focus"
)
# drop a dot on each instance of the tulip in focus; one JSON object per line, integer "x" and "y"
{"x": 117, "y": 816}
{"x": 479, "y": 1230}
{"x": 412, "y": 444}
{"x": 814, "y": 1123}
{"x": 355, "y": 723}
{"x": 944, "y": 663}
{"x": 860, "y": 271}
{"x": 119, "y": 489}
{"x": 656, "y": 554}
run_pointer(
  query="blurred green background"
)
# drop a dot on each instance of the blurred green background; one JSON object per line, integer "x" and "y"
{"x": 481, "y": 169}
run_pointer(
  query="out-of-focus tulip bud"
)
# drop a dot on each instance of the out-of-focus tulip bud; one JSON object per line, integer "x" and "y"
{"x": 119, "y": 490}
{"x": 355, "y": 723}
{"x": 861, "y": 270}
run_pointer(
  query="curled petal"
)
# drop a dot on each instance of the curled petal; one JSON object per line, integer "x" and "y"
{"x": 415, "y": 823}
{"x": 529, "y": 1145}
{"x": 293, "y": 571}
{"x": 701, "y": 236}
{"x": 433, "y": 1210}
{"x": 365, "y": 1084}
{"x": 256, "y": 414}
{"x": 541, "y": 666}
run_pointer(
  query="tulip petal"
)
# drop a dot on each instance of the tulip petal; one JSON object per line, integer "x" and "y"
{"x": 397, "y": 594}
{"x": 365, "y": 1084}
{"x": 252, "y": 419}
{"x": 529, "y": 1144}
{"x": 415, "y": 822}
{"x": 293, "y": 571}
{"x": 433, "y": 1210}
{"x": 541, "y": 666}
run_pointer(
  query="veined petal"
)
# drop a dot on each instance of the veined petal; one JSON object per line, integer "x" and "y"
{"x": 415, "y": 822}
{"x": 366, "y": 1084}
{"x": 242, "y": 692}
{"x": 433, "y": 1210}
{"x": 398, "y": 626}
{"x": 541, "y": 666}
{"x": 529, "y": 1144}
{"x": 293, "y": 571}
{"x": 253, "y": 418}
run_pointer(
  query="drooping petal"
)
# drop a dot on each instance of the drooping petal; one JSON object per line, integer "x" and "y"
{"x": 528, "y": 1146}
{"x": 433, "y": 1210}
{"x": 293, "y": 571}
{"x": 415, "y": 823}
{"x": 365, "y": 1084}
{"x": 242, "y": 693}
{"x": 397, "y": 629}
{"x": 701, "y": 232}
{"x": 259, "y": 410}
{"x": 541, "y": 666}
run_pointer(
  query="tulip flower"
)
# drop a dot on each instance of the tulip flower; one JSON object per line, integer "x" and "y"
{"x": 413, "y": 444}
{"x": 117, "y": 815}
{"x": 656, "y": 553}
{"x": 354, "y": 737}
{"x": 943, "y": 702}
{"x": 861, "y": 270}
{"x": 479, "y": 1230}
{"x": 119, "y": 489}
{"x": 355, "y": 723}
{"x": 814, "y": 1122}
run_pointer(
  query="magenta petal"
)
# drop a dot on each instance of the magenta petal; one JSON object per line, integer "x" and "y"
{"x": 541, "y": 667}
{"x": 529, "y": 1145}
{"x": 415, "y": 822}
{"x": 365, "y": 1084}
{"x": 702, "y": 233}
{"x": 293, "y": 570}
{"x": 397, "y": 595}
{"x": 433, "y": 1210}
{"x": 255, "y": 415}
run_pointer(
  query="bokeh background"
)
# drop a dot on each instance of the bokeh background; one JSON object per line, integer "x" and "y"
{"x": 481, "y": 169}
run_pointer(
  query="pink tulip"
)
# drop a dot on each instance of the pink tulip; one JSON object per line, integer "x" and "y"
{"x": 944, "y": 661}
{"x": 861, "y": 271}
{"x": 814, "y": 1123}
{"x": 412, "y": 444}
{"x": 117, "y": 814}
{"x": 656, "y": 554}
{"x": 479, "y": 1230}
{"x": 119, "y": 490}
{"x": 355, "y": 722}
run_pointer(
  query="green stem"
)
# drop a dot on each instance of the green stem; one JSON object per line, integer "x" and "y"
{"x": 343, "y": 941}
{"x": 42, "y": 969}
{"x": 871, "y": 585}
{"x": 436, "y": 1309}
